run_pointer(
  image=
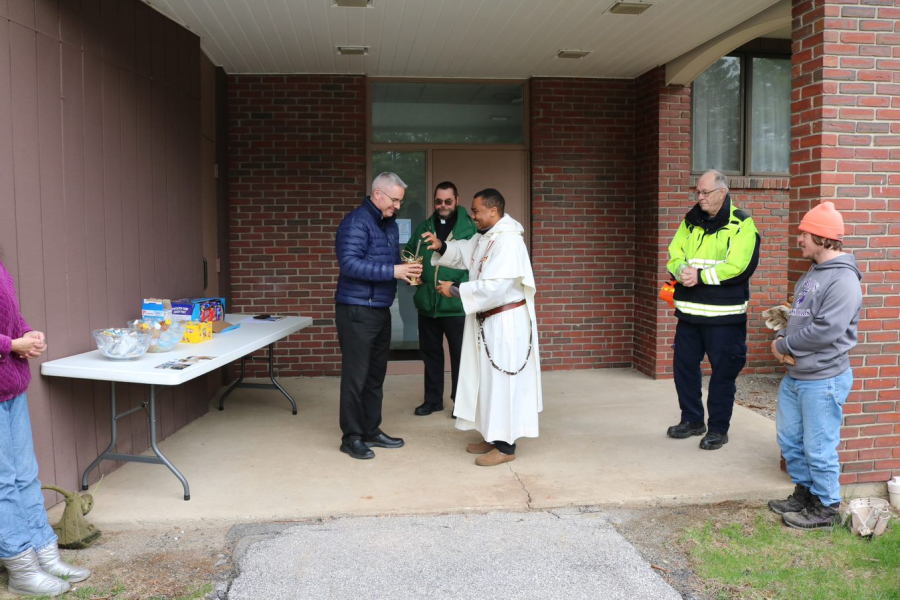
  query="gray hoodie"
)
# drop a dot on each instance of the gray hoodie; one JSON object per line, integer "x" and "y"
{"x": 822, "y": 326}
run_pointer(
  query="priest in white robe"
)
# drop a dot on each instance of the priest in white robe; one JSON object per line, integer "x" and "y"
{"x": 499, "y": 389}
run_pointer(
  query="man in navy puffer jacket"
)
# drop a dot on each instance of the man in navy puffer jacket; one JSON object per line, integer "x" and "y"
{"x": 368, "y": 252}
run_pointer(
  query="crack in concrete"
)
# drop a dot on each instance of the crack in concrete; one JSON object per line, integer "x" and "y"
{"x": 524, "y": 489}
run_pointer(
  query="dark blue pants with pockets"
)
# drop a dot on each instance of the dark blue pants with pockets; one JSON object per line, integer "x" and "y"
{"x": 726, "y": 347}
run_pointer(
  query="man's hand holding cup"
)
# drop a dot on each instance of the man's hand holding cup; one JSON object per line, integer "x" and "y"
{"x": 408, "y": 272}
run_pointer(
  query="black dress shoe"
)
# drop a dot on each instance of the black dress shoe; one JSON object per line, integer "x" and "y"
{"x": 426, "y": 409}
{"x": 357, "y": 449}
{"x": 686, "y": 430}
{"x": 713, "y": 440}
{"x": 382, "y": 440}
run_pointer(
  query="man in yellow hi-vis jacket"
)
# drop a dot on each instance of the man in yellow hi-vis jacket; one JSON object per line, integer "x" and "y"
{"x": 712, "y": 257}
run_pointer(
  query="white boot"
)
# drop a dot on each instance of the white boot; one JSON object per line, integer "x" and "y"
{"x": 27, "y": 579}
{"x": 51, "y": 562}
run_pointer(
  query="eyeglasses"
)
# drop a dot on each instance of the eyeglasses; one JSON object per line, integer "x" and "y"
{"x": 706, "y": 192}
{"x": 445, "y": 202}
{"x": 394, "y": 200}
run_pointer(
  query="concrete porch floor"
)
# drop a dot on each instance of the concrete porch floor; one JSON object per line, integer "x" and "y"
{"x": 602, "y": 442}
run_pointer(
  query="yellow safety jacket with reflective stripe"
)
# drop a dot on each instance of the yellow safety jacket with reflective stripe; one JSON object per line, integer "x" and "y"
{"x": 726, "y": 248}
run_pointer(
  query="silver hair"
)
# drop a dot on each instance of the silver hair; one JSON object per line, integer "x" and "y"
{"x": 387, "y": 179}
{"x": 721, "y": 181}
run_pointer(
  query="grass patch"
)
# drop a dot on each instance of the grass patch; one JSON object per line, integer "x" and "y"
{"x": 766, "y": 560}
{"x": 198, "y": 593}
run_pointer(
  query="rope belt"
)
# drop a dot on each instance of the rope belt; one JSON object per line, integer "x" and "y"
{"x": 496, "y": 311}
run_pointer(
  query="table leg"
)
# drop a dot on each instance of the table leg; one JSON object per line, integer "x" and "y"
{"x": 159, "y": 459}
{"x": 265, "y": 386}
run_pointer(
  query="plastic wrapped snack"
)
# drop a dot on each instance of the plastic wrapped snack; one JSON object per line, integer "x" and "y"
{"x": 164, "y": 334}
{"x": 121, "y": 344}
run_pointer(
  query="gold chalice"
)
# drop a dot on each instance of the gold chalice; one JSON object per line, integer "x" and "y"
{"x": 412, "y": 259}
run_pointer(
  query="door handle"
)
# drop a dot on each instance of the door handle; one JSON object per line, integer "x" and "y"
{"x": 205, "y": 273}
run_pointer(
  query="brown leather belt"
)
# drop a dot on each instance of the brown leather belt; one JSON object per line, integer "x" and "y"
{"x": 496, "y": 311}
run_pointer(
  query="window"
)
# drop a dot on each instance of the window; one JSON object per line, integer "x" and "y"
{"x": 447, "y": 113}
{"x": 741, "y": 116}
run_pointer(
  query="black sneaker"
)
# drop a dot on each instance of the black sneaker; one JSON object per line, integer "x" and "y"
{"x": 686, "y": 430}
{"x": 793, "y": 503}
{"x": 814, "y": 516}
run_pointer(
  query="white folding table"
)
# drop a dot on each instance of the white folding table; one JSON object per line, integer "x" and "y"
{"x": 224, "y": 348}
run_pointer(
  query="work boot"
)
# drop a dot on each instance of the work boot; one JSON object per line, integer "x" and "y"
{"x": 793, "y": 503}
{"x": 713, "y": 440}
{"x": 686, "y": 430}
{"x": 27, "y": 579}
{"x": 494, "y": 458}
{"x": 814, "y": 516}
{"x": 51, "y": 562}
{"x": 479, "y": 448}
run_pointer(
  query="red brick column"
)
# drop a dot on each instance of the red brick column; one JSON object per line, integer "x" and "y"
{"x": 297, "y": 165}
{"x": 846, "y": 149}
{"x": 662, "y": 182}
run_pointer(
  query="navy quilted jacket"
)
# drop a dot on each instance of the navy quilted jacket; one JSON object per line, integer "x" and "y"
{"x": 367, "y": 247}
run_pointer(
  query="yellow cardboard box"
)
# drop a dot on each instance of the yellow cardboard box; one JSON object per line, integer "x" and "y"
{"x": 196, "y": 332}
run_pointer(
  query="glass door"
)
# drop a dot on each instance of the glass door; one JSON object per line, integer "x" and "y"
{"x": 411, "y": 167}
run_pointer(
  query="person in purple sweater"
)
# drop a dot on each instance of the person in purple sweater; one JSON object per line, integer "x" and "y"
{"x": 28, "y": 545}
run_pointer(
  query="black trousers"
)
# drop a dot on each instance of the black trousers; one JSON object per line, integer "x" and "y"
{"x": 726, "y": 347}
{"x": 431, "y": 343}
{"x": 365, "y": 338}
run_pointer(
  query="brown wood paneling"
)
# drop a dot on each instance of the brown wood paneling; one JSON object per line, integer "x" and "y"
{"x": 112, "y": 198}
{"x": 46, "y": 17}
{"x": 131, "y": 245}
{"x": 147, "y": 224}
{"x": 91, "y": 27}
{"x": 158, "y": 186}
{"x": 109, "y": 30}
{"x": 207, "y": 98}
{"x": 94, "y": 217}
{"x": 30, "y": 281}
{"x": 142, "y": 49}
{"x": 73, "y": 188}
{"x": 70, "y": 23}
{"x": 8, "y": 248}
{"x": 170, "y": 31}
{"x": 84, "y": 424}
{"x": 52, "y": 199}
{"x": 126, "y": 33}
{"x": 22, "y": 12}
{"x": 158, "y": 47}
{"x": 94, "y": 155}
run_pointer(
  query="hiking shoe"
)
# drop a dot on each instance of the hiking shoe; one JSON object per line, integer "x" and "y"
{"x": 713, "y": 440}
{"x": 494, "y": 458}
{"x": 479, "y": 448}
{"x": 686, "y": 430}
{"x": 793, "y": 503}
{"x": 814, "y": 516}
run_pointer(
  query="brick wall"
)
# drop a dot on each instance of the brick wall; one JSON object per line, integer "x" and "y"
{"x": 663, "y": 154}
{"x": 846, "y": 149}
{"x": 583, "y": 250}
{"x": 297, "y": 165}
{"x": 663, "y": 184}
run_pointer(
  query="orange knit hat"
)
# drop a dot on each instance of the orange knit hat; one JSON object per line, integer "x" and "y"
{"x": 824, "y": 221}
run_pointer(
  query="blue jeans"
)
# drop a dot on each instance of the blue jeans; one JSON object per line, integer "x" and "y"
{"x": 23, "y": 520}
{"x": 808, "y": 423}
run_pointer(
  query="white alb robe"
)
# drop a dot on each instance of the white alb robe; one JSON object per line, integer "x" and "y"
{"x": 501, "y": 407}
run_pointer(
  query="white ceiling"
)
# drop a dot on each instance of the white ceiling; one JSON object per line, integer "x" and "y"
{"x": 453, "y": 38}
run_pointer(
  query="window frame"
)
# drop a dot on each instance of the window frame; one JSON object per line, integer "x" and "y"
{"x": 746, "y": 112}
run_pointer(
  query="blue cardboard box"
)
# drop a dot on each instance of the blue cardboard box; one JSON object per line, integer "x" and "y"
{"x": 204, "y": 310}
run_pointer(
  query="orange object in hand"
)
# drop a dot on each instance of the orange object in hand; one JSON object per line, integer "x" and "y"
{"x": 667, "y": 293}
